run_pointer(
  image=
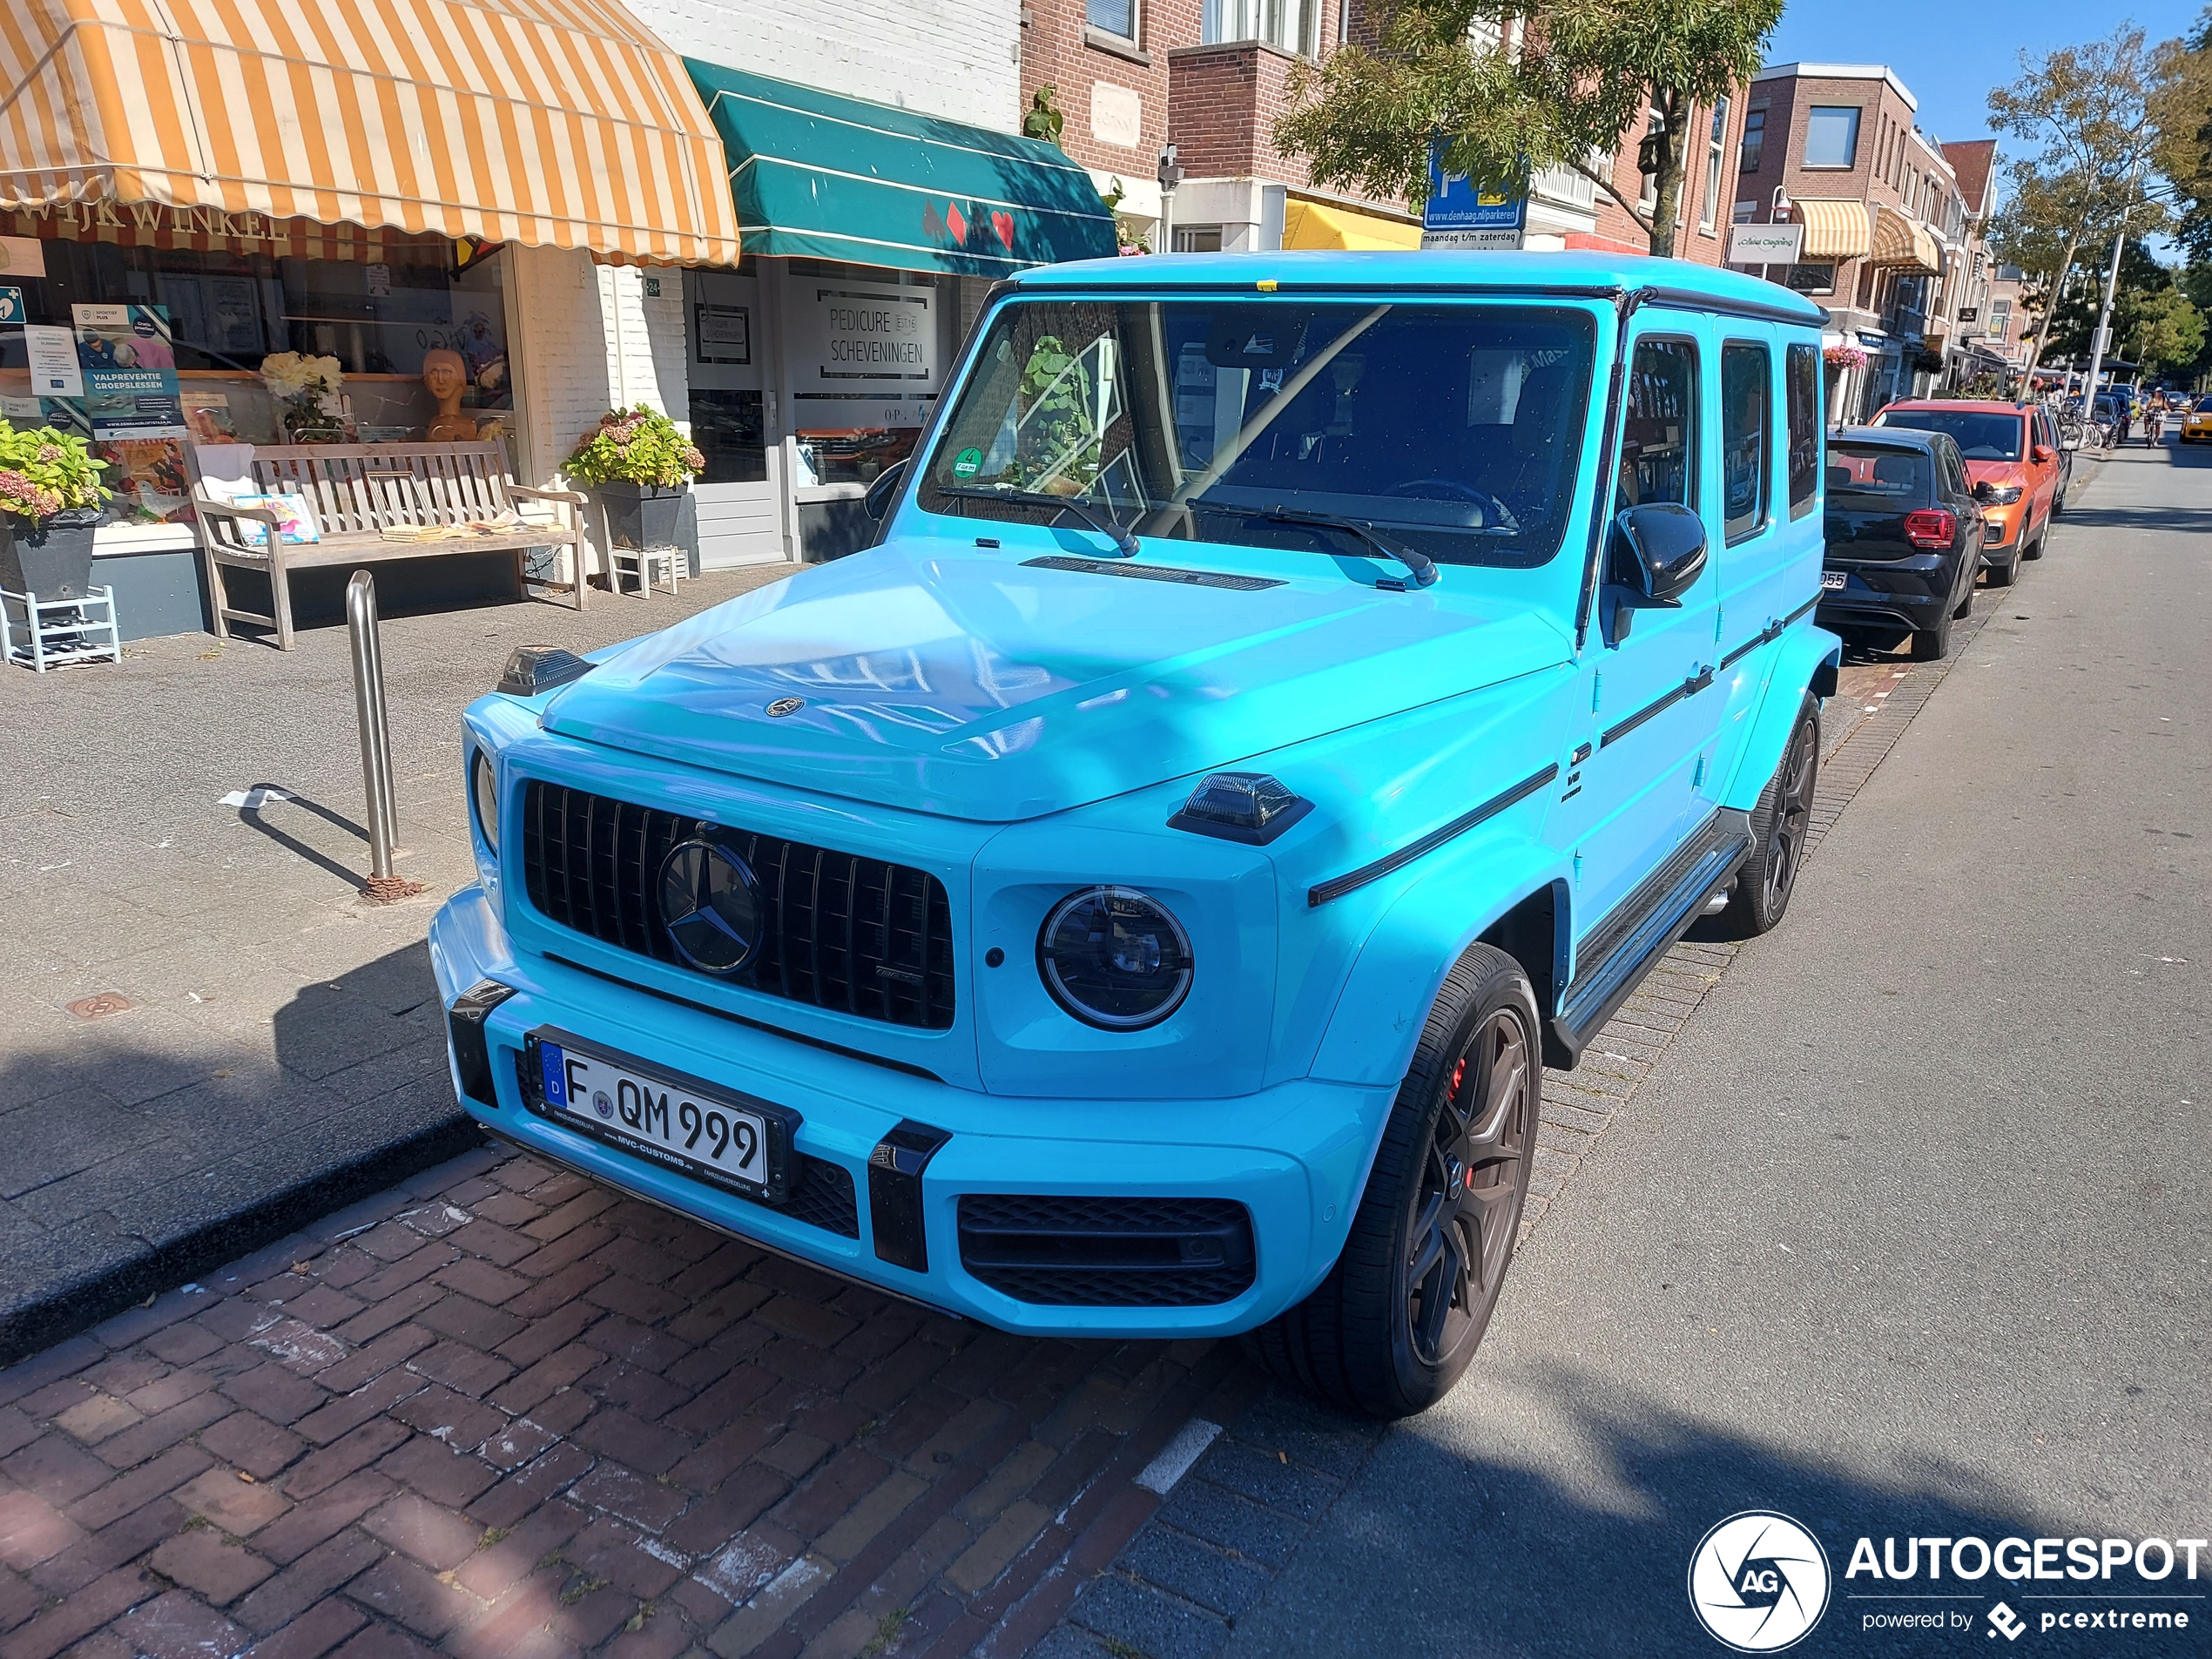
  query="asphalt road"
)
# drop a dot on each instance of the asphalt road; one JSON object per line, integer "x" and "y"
{"x": 1907, "y": 1234}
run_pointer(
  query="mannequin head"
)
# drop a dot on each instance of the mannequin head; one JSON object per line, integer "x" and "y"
{"x": 445, "y": 377}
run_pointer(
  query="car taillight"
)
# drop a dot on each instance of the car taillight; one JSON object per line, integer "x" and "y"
{"x": 1931, "y": 527}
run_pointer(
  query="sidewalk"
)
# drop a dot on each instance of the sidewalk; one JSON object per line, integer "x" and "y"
{"x": 205, "y": 1034}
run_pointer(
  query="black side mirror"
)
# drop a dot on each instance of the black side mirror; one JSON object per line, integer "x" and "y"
{"x": 1984, "y": 490}
{"x": 878, "y": 500}
{"x": 1658, "y": 553}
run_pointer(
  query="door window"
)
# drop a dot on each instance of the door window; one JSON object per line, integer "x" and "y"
{"x": 1747, "y": 444}
{"x": 1659, "y": 433}
{"x": 1803, "y": 384}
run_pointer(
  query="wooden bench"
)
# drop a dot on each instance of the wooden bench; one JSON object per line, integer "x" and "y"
{"x": 357, "y": 490}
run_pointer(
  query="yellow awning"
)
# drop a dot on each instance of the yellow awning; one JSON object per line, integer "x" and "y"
{"x": 1310, "y": 225}
{"x": 1903, "y": 244}
{"x": 559, "y": 123}
{"x": 1834, "y": 230}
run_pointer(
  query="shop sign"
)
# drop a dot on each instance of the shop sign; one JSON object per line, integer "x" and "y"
{"x": 725, "y": 333}
{"x": 1765, "y": 244}
{"x": 864, "y": 357}
{"x": 129, "y": 371}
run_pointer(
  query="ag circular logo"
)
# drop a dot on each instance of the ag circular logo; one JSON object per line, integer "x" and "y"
{"x": 783, "y": 705}
{"x": 709, "y": 903}
{"x": 1759, "y": 1581}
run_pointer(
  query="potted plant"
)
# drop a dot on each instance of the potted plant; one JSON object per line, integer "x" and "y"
{"x": 304, "y": 389}
{"x": 50, "y": 499}
{"x": 640, "y": 467}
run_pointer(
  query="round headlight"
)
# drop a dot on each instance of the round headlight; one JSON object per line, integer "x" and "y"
{"x": 483, "y": 788}
{"x": 1113, "y": 957}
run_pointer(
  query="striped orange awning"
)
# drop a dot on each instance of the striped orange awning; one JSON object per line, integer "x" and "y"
{"x": 1902, "y": 244}
{"x": 1834, "y": 229}
{"x": 551, "y": 123}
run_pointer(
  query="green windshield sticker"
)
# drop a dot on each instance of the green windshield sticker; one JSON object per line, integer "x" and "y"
{"x": 967, "y": 463}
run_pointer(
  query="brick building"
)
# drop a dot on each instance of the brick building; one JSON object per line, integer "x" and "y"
{"x": 1893, "y": 219}
{"x": 1567, "y": 210}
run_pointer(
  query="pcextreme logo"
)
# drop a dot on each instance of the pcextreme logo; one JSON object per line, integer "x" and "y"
{"x": 1758, "y": 1582}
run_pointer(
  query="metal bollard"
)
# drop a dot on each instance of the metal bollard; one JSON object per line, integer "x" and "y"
{"x": 382, "y": 886}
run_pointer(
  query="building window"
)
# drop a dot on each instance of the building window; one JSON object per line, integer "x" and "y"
{"x": 1831, "y": 135}
{"x": 1811, "y": 278}
{"x": 1115, "y": 16}
{"x": 1198, "y": 238}
{"x": 1290, "y": 24}
{"x": 1713, "y": 168}
{"x": 2000, "y": 320}
{"x": 1753, "y": 140}
{"x": 1647, "y": 197}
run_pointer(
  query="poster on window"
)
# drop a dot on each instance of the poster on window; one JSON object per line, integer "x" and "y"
{"x": 863, "y": 358}
{"x": 129, "y": 362}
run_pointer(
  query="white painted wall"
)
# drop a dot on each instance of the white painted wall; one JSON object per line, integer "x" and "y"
{"x": 956, "y": 58}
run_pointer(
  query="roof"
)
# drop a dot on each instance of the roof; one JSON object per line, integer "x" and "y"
{"x": 1838, "y": 72}
{"x": 1972, "y": 405}
{"x": 1974, "y": 161}
{"x": 1896, "y": 437}
{"x": 1581, "y": 270}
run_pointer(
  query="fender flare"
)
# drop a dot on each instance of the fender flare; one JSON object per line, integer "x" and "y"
{"x": 1805, "y": 659}
{"x": 1379, "y": 1013}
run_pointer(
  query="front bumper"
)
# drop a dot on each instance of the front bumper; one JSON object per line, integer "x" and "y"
{"x": 1294, "y": 1156}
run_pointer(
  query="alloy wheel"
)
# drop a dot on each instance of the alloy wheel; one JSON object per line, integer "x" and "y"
{"x": 1468, "y": 1202}
{"x": 1793, "y": 814}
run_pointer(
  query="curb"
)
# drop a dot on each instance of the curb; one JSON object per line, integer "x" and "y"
{"x": 82, "y": 1303}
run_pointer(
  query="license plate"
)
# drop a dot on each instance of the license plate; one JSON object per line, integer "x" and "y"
{"x": 712, "y": 1134}
{"x": 1832, "y": 578}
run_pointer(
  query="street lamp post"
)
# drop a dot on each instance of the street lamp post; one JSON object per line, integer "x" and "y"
{"x": 1170, "y": 175}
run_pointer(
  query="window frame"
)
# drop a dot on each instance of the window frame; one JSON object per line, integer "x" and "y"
{"x": 1762, "y": 516}
{"x": 1751, "y": 147}
{"x": 1135, "y": 19}
{"x": 1858, "y": 114}
{"x": 1716, "y": 165}
{"x": 1817, "y": 426}
{"x": 1307, "y": 14}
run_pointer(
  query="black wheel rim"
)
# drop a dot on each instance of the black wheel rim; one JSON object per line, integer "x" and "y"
{"x": 1792, "y": 813}
{"x": 1469, "y": 1199}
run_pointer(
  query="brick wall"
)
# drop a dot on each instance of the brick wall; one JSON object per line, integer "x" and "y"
{"x": 956, "y": 58}
{"x": 1695, "y": 240}
{"x": 1056, "y": 52}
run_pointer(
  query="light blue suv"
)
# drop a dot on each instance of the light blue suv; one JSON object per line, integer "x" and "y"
{"x": 1294, "y": 700}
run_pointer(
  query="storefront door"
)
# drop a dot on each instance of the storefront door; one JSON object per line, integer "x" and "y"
{"x": 740, "y": 493}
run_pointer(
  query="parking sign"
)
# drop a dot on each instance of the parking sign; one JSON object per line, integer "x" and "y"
{"x": 1460, "y": 217}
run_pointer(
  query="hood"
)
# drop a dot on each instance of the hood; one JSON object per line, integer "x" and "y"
{"x": 977, "y": 685}
{"x": 1996, "y": 472}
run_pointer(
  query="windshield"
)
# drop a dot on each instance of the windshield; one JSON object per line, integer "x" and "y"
{"x": 1453, "y": 429}
{"x": 1895, "y": 476}
{"x": 1980, "y": 437}
{"x": 2204, "y": 405}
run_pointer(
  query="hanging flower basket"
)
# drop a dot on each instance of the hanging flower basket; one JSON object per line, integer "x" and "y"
{"x": 1842, "y": 357}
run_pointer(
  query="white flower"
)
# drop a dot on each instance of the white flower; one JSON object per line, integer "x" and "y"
{"x": 287, "y": 374}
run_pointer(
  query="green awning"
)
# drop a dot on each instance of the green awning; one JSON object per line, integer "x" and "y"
{"x": 835, "y": 178}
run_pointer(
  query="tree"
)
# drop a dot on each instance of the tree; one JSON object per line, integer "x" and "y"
{"x": 2183, "y": 110}
{"x": 2089, "y": 109}
{"x": 1579, "y": 76}
{"x": 2165, "y": 332}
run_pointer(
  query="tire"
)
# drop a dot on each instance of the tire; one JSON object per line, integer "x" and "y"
{"x": 2034, "y": 549}
{"x": 1763, "y": 886}
{"x": 1965, "y": 607}
{"x": 1933, "y": 645}
{"x": 1398, "y": 1318}
{"x": 2003, "y": 575}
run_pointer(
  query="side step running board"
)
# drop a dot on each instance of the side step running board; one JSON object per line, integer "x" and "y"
{"x": 1628, "y": 944}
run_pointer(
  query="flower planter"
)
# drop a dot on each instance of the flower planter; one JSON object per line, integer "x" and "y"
{"x": 53, "y": 560}
{"x": 643, "y": 516}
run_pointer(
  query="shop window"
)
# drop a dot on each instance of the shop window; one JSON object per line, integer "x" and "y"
{"x": 863, "y": 352}
{"x": 173, "y": 341}
{"x": 1198, "y": 238}
{"x": 1831, "y": 135}
{"x": 1813, "y": 278}
{"x": 731, "y": 431}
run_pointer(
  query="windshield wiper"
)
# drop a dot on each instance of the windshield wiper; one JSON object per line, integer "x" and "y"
{"x": 1422, "y": 566}
{"x": 1112, "y": 529}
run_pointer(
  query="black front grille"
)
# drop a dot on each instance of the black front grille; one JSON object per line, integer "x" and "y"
{"x": 822, "y": 1195}
{"x": 1108, "y": 1252}
{"x": 858, "y": 935}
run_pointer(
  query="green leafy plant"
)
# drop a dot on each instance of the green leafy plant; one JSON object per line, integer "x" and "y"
{"x": 640, "y": 446}
{"x": 44, "y": 472}
{"x": 1059, "y": 437}
{"x": 1041, "y": 120}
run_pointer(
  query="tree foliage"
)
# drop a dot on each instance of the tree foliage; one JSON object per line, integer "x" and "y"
{"x": 1582, "y": 77}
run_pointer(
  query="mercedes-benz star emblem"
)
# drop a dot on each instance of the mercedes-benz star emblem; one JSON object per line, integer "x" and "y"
{"x": 710, "y": 902}
{"x": 783, "y": 705}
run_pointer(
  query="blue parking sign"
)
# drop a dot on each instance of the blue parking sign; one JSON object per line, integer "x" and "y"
{"x": 1459, "y": 215}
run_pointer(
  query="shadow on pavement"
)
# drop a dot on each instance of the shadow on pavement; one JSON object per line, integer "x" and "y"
{"x": 260, "y": 796}
{"x": 1588, "y": 1553}
{"x": 141, "y": 1148}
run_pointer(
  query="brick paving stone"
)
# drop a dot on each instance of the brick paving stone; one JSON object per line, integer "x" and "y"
{"x": 219, "y": 1569}
{"x": 438, "y": 1471}
{"x": 175, "y": 1626}
{"x": 82, "y": 1614}
{"x": 354, "y": 1450}
{"x": 307, "y": 1582}
{"x": 322, "y": 1516}
{"x": 400, "y": 1589}
{"x": 314, "y": 1634}
{"x": 240, "y": 1508}
{"x": 250, "y": 1442}
{"x": 437, "y": 1537}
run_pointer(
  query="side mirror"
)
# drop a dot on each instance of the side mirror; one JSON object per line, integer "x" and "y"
{"x": 2042, "y": 453}
{"x": 878, "y": 500}
{"x": 1984, "y": 490}
{"x": 1658, "y": 553}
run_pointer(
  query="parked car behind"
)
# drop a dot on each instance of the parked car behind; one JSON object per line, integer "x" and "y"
{"x": 2198, "y": 422}
{"x": 2011, "y": 449}
{"x": 1905, "y": 534}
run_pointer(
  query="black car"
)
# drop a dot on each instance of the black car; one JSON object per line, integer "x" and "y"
{"x": 1905, "y": 535}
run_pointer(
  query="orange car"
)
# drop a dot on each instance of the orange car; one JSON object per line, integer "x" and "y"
{"x": 2014, "y": 461}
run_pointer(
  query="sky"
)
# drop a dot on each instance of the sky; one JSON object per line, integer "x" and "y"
{"x": 1949, "y": 53}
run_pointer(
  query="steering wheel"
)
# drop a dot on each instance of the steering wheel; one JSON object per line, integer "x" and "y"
{"x": 1496, "y": 513}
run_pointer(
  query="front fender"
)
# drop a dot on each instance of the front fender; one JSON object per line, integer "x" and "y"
{"x": 1804, "y": 659}
{"x": 1377, "y": 1018}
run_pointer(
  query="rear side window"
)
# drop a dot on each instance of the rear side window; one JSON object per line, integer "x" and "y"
{"x": 1861, "y": 473}
{"x": 1802, "y": 379}
{"x": 1747, "y": 445}
{"x": 1659, "y": 433}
